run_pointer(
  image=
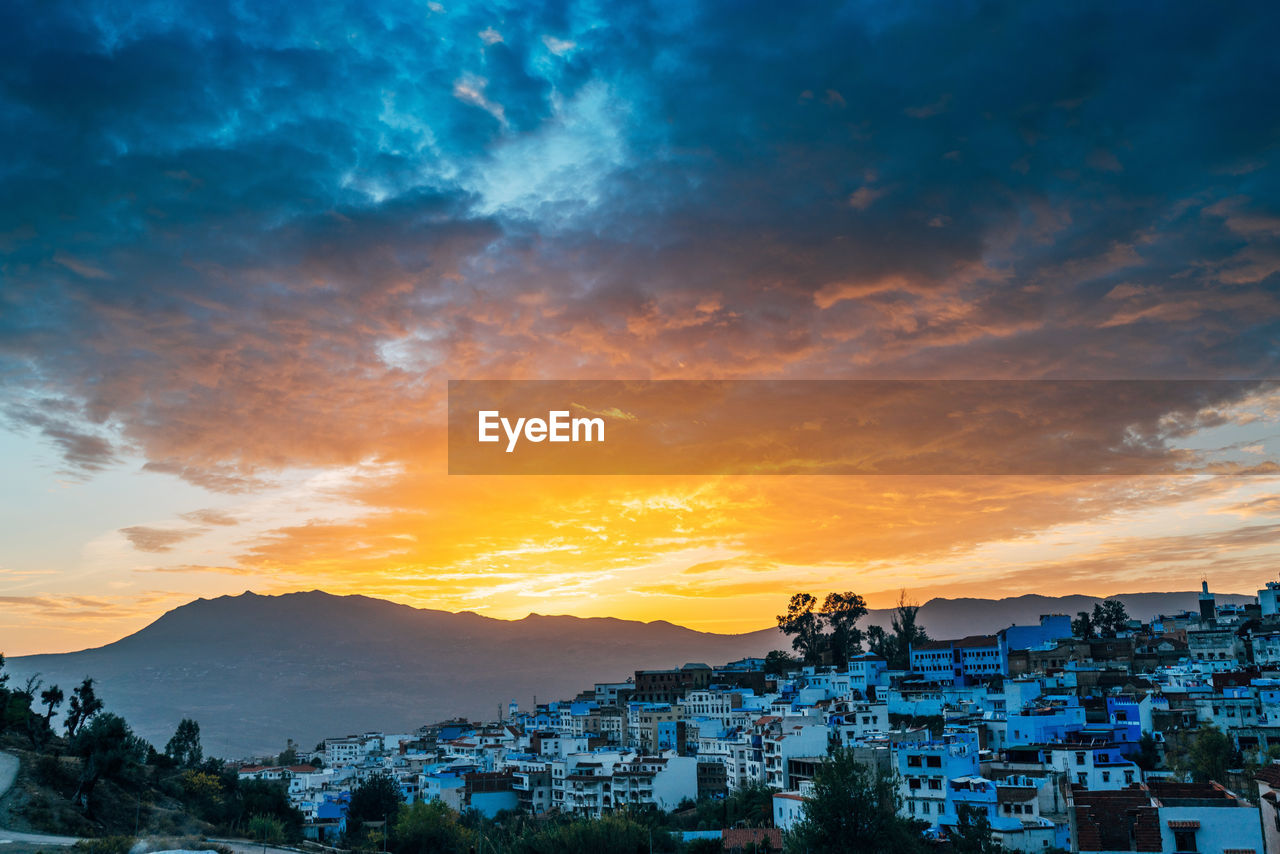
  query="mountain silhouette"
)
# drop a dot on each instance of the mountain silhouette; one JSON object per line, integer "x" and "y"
{"x": 256, "y": 670}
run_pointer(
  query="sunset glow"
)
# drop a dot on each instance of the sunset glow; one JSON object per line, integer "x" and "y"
{"x": 243, "y": 255}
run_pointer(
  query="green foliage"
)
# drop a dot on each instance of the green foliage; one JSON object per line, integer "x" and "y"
{"x": 108, "y": 750}
{"x": 106, "y": 845}
{"x": 972, "y": 834}
{"x": 266, "y": 797}
{"x": 778, "y": 662}
{"x": 1148, "y": 756}
{"x": 288, "y": 756}
{"x": 426, "y": 828}
{"x": 184, "y": 747}
{"x": 703, "y": 846}
{"x": 751, "y": 805}
{"x": 842, "y": 612}
{"x": 204, "y": 793}
{"x": 1209, "y": 756}
{"x": 1110, "y": 617}
{"x": 853, "y": 809}
{"x": 51, "y": 698}
{"x": 266, "y": 828}
{"x": 832, "y": 631}
{"x": 376, "y": 799}
{"x": 84, "y": 705}
{"x": 895, "y": 646}
{"x": 16, "y": 711}
{"x": 622, "y": 834}
{"x": 804, "y": 626}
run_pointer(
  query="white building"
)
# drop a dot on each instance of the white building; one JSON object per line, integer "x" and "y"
{"x": 793, "y": 737}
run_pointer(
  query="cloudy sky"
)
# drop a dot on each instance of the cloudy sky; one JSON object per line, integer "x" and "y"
{"x": 244, "y": 250}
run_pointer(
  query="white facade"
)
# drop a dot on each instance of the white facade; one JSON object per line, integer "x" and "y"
{"x": 852, "y": 722}
{"x": 788, "y": 807}
{"x": 1096, "y": 769}
{"x": 794, "y": 740}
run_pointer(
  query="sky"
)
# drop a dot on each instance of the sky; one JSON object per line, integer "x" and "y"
{"x": 243, "y": 249}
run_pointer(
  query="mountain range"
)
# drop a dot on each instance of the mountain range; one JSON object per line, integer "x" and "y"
{"x": 256, "y": 670}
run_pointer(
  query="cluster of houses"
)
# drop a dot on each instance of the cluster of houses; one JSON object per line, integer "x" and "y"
{"x": 1039, "y": 731}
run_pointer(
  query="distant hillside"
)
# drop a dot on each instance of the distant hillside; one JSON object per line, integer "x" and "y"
{"x": 256, "y": 670}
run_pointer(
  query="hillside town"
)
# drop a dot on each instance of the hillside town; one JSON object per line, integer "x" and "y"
{"x": 1119, "y": 735}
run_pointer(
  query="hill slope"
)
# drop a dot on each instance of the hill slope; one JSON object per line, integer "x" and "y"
{"x": 256, "y": 670}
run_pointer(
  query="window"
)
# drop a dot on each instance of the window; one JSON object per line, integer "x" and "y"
{"x": 1184, "y": 840}
{"x": 1080, "y": 758}
{"x": 933, "y": 761}
{"x": 935, "y": 784}
{"x": 1082, "y": 778}
{"x": 1106, "y": 776}
{"x": 913, "y": 761}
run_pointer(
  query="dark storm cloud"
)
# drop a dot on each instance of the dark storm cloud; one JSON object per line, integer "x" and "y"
{"x": 253, "y": 240}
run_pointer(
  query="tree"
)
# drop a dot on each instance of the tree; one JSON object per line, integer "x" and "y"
{"x": 204, "y": 793}
{"x": 184, "y": 747}
{"x": 1110, "y": 618}
{"x": 426, "y": 828}
{"x": 266, "y": 828}
{"x": 267, "y": 797}
{"x": 842, "y": 612}
{"x": 1210, "y": 756}
{"x": 855, "y": 810}
{"x": 1148, "y": 756}
{"x": 378, "y": 798}
{"x": 749, "y": 805}
{"x": 805, "y": 626}
{"x": 84, "y": 705}
{"x": 288, "y": 756}
{"x": 51, "y": 698}
{"x": 1083, "y": 627}
{"x": 972, "y": 832}
{"x": 107, "y": 749}
{"x": 895, "y": 648}
{"x": 779, "y": 662}
{"x": 704, "y": 846}
{"x": 617, "y": 834}
{"x": 883, "y": 644}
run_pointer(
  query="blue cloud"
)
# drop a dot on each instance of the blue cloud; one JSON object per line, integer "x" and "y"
{"x": 994, "y": 188}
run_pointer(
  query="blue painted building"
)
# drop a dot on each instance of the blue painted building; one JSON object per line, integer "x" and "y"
{"x": 1052, "y": 627}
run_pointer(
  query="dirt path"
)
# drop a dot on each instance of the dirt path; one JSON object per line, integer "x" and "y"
{"x": 9, "y": 774}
